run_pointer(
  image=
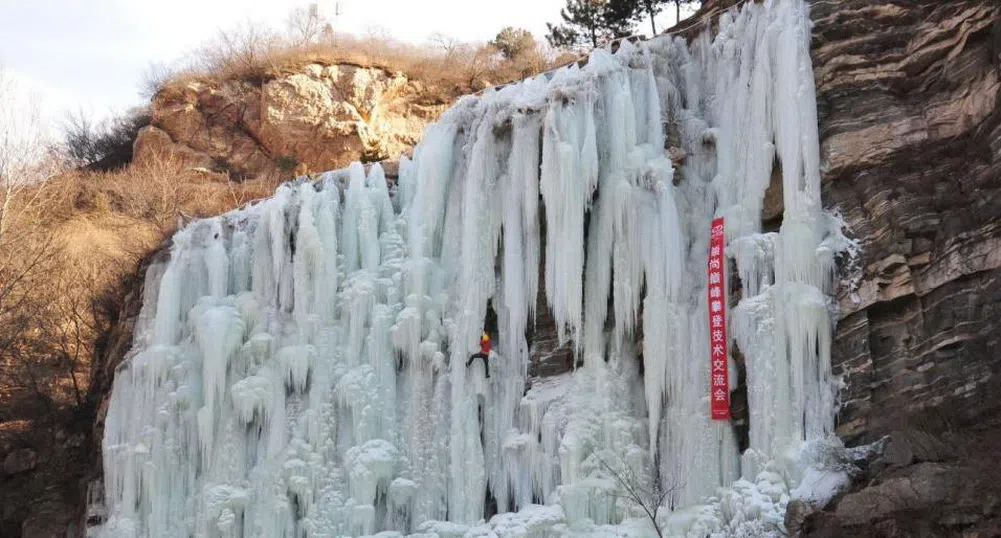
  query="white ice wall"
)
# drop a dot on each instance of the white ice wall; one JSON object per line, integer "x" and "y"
{"x": 301, "y": 367}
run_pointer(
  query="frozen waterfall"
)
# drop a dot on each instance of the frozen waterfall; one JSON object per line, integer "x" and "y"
{"x": 299, "y": 366}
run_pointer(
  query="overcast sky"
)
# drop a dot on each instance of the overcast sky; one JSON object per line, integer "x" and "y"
{"x": 91, "y": 54}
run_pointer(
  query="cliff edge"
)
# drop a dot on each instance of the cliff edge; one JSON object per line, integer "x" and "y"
{"x": 319, "y": 117}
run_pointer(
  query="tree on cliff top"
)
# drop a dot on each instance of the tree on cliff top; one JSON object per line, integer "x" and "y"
{"x": 640, "y": 10}
{"x": 677, "y": 7}
{"x": 513, "y": 42}
{"x": 307, "y": 25}
{"x": 590, "y": 24}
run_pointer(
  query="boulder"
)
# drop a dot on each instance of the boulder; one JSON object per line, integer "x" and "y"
{"x": 797, "y": 512}
{"x": 922, "y": 487}
{"x": 906, "y": 447}
{"x": 20, "y": 461}
{"x": 153, "y": 142}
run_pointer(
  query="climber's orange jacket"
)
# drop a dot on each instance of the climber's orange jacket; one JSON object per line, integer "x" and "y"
{"x": 485, "y": 344}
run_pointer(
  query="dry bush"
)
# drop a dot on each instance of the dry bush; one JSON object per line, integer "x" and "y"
{"x": 27, "y": 251}
{"x": 156, "y": 76}
{"x": 247, "y": 49}
{"x": 68, "y": 243}
{"x": 158, "y": 189}
{"x": 306, "y": 25}
{"x": 647, "y": 495}
{"x": 445, "y": 66}
{"x": 44, "y": 323}
{"x": 106, "y": 145}
{"x": 24, "y": 290}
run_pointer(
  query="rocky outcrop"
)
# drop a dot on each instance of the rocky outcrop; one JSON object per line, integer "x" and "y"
{"x": 42, "y": 484}
{"x": 319, "y": 118}
{"x": 911, "y": 145}
{"x": 20, "y": 461}
{"x": 546, "y": 355}
{"x": 922, "y": 484}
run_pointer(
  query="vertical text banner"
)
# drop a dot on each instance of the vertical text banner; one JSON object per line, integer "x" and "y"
{"x": 719, "y": 387}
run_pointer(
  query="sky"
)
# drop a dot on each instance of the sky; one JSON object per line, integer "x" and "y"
{"x": 91, "y": 55}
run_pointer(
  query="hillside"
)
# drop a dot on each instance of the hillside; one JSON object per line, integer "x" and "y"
{"x": 70, "y": 251}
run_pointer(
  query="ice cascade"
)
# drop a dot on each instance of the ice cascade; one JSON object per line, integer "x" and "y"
{"x": 299, "y": 365}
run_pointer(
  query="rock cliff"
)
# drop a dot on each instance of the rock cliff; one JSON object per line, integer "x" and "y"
{"x": 318, "y": 118}
{"x": 911, "y": 141}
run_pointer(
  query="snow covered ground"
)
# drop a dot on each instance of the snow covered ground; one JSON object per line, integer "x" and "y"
{"x": 299, "y": 365}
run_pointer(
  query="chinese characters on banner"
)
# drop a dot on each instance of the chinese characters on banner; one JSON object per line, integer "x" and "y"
{"x": 719, "y": 386}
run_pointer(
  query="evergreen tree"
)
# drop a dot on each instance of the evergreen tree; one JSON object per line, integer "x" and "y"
{"x": 651, "y": 8}
{"x": 678, "y": 4}
{"x": 637, "y": 10}
{"x": 513, "y": 42}
{"x": 590, "y": 24}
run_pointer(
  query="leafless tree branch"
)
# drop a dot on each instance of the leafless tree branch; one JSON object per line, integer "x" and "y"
{"x": 648, "y": 500}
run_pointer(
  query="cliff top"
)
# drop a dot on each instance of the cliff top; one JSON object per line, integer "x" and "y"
{"x": 446, "y": 67}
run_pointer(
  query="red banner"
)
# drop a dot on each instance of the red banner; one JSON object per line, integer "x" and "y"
{"x": 719, "y": 385}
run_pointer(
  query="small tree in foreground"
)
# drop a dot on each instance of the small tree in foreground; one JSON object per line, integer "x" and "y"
{"x": 635, "y": 491}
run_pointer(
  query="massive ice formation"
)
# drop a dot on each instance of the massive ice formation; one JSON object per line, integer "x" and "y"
{"x": 299, "y": 368}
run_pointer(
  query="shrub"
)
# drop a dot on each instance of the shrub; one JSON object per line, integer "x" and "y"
{"x": 445, "y": 67}
{"x": 286, "y": 163}
{"x": 514, "y": 42}
{"x": 103, "y": 146}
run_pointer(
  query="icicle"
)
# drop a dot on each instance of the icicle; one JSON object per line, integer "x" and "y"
{"x": 568, "y": 178}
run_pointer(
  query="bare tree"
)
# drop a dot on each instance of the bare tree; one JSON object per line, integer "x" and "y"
{"x": 106, "y": 145}
{"x": 634, "y": 490}
{"x": 306, "y": 25}
{"x": 244, "y": 51}
{"x": 154, "y": 79}
{"x": 79, "y": 134}
{"x": 679, "y": 3}
{"x": 473, "y": 61}
{"x": 27, "y": 250}
{"x": 22, "y": 145}
{"x": 448, "y": 45}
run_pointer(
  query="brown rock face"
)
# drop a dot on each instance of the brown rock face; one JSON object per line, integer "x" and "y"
{"x": 926, "y": 493}
{"x": 911, "y": 141}
{"x": 20, "y": 461}
{"x": 153, "y": 142}
{"x": 323, "y": 117}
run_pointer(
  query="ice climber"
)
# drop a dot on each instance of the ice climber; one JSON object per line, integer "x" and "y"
{"x": 483, "y": 354}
